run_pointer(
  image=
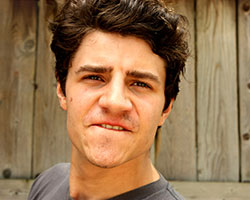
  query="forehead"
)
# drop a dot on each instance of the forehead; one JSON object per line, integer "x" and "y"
{"x": 115, "y": 50}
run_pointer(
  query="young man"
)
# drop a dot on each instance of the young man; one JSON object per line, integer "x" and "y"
{"x": 117, "y": 66}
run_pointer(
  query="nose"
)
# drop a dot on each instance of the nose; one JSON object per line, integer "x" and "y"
{"x": 114, "y": 97}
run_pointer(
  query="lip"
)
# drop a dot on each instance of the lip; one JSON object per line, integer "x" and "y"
{"x": 125, "y": 128}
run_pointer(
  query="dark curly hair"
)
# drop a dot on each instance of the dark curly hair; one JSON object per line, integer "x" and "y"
{"x": 151, "y": 20}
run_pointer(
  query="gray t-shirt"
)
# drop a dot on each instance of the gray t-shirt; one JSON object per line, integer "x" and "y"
{"x": 53, "y": 184}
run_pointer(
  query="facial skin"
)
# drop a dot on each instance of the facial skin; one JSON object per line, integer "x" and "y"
{"x": 114, "y": 99}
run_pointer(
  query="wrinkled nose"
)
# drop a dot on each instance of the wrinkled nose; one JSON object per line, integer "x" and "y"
{"x": 114, "y": 98}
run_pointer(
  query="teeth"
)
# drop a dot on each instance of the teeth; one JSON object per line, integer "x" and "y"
{"x": 112, "y": 127}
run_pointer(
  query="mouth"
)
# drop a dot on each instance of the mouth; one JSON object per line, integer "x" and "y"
{"x": 110, "y": 127}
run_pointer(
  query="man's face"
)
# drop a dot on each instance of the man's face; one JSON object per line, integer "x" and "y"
{"x": 114, "y": 98}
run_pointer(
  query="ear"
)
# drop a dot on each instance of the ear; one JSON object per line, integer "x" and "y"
{"x": 165, "y": 113}
{"x": 61, "y": 97}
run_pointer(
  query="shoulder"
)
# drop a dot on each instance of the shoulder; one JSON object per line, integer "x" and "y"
{"x": 158, "y": 190}
{"x": 166, "y": 192}
{"x": 54, "y": 179}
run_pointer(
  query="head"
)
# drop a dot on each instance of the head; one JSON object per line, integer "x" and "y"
{"x": 150, "y": 20}
{"x": 131, "y": 39}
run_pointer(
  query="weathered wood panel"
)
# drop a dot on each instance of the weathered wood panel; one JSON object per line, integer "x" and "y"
{"x": 15, "y": 189}
{"x": 216, "y": 95}
{"x": 217, "y": 114}
{"x": 213, "y": 191}
{"x": 177, "y": 157}
{"x": 244, "y": 85}
{"x": 51, "y": 144}
{"x": 17, "y": 63}
{"x": 19, "y": 190}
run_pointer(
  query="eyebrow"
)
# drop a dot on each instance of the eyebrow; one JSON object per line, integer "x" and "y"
{"x": 134, "y": 73}
{"x": 143, "y": 75}
{"x": 92, "y": 68}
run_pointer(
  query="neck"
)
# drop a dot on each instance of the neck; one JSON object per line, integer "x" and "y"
{"x": 89, "y": 182}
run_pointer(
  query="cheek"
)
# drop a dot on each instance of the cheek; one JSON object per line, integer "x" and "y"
{"x": 74, "y": 115}
{"x": 77, "y": 99}
{"x": 151, "y": 110}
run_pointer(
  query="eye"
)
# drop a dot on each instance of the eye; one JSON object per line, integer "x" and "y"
{"x": 141, "y": 84}
{"x": 93, "y": 77}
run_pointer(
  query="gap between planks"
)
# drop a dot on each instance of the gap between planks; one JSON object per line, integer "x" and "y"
{"x": 18, "y": 189}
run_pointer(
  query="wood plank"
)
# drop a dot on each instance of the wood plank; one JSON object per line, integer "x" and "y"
{"x": 213, "y": 190}
{"x": 15, "y": 189}
{"x": 177, "y": 157}
{"x": 17, "y": 62}
{"x": 244, "y": 84}
{"x": 51, "y": 143}
{"x": 217, "y": 114}
{"x": 19, "y": 189}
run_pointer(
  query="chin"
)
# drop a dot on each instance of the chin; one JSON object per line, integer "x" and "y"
{"x": 104, "y": 163}
{"x": 103, "y": 160}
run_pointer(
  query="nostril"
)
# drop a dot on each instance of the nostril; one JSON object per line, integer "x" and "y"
{"x": 115, "y": 102}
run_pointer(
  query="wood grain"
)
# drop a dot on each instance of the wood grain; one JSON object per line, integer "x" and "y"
{"x": 177, "y": 157}
{"x": 17, "y": 66}
{"x": 15, "y": 189}
{"x": 213, "y": 190}
{"x": 51, "y": 144}
{"x": 217, "y": 114}
{"x": 19, "y": 190}
{"x": 244, "y": 85}
{"x": 217, "y": 106}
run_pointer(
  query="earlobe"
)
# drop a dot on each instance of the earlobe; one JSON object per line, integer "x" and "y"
{"x": 166, "y": 113}
{"x": 61, "y": 97}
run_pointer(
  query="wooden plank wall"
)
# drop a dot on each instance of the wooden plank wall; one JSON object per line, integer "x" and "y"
{"x": 244, "y": 85}
{"x": 19, "y": 189}
{"x": 17, "y": 64}
{"x": 50, "y": 120}
{"x": 177, "y": 157}
{"x": 217, "y": 112}
{"x": 207, "y": 136}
